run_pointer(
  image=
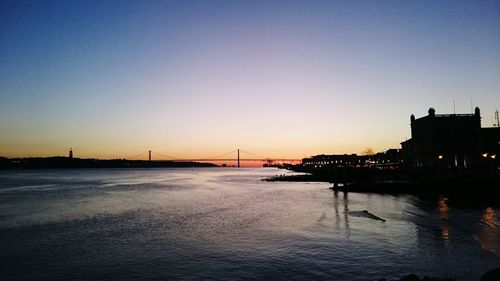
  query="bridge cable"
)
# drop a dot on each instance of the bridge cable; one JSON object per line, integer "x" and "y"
{"x": 166, "y": 156}
{"x": 135, "y": 156}
{"x": 270, "y": 158}
{"x": 255, "y": 155}
{"x": 220, "y": 155}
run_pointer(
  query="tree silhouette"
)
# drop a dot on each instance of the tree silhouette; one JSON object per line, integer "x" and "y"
{"x": 368, "y": 151}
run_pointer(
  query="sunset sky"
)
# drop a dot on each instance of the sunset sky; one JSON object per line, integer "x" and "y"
{"x": 199, "y": 78}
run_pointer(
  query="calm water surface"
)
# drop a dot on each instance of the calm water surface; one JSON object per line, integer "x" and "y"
{"x": 226, "y": 223}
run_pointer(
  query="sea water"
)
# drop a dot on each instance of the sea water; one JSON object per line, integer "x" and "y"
{"x": 228, "y": 224}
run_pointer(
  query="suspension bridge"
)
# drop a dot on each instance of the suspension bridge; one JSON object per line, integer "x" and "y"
{"x": 231, "y": 156}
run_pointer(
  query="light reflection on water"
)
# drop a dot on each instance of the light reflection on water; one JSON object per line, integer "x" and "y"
{"x": 443, "y": 216}
{"x": 490, "y": 218}
{"x": 489, "y": 236}
{"x": 227, "y": 224}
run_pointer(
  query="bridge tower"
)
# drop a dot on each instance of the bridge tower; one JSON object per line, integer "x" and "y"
{"x": 238, "y": 157}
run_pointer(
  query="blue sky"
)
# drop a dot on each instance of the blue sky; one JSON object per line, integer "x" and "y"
{"x": 278, "y": 78}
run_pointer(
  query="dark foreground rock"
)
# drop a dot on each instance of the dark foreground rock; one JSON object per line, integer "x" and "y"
{"x": 414, "y": 277}
{"x": 492, "y": 275}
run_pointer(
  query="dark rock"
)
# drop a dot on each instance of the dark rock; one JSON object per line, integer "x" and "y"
{"x": 492, "y": 275}
{"x": 411, "y": 277}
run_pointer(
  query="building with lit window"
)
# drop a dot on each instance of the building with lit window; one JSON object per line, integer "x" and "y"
{"x": 390, "y": 159}
{"x": 451, "y": 141}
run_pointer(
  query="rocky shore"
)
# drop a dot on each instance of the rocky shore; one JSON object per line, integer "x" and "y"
{"x": 492, "y": 275}
{"x": 400, "y": 182}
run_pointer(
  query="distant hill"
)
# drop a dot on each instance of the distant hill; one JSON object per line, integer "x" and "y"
{"x": 79, "y": 163}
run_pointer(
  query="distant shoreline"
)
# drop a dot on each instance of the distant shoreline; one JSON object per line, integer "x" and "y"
{"x": 41, "y": 163}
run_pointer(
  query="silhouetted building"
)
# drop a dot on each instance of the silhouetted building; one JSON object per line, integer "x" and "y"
{"x": 388, "y": 159}
{"x": 490, "y": 145}
{"x": 334, "y": 160}
{"x": 70, "y": 153}
{"x": 450, "y": 141}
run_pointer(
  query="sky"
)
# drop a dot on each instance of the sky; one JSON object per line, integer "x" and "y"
{"x": 112, "y": 79}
